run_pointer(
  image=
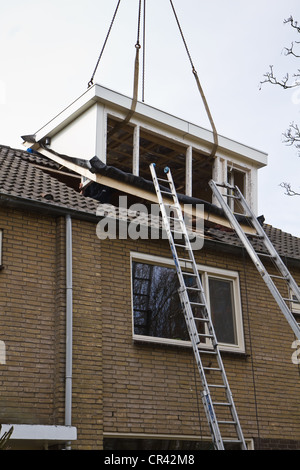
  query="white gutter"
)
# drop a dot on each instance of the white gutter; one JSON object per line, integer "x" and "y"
{"x": 69, "y": 325}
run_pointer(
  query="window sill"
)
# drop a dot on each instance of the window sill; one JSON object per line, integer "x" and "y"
{"x": 236, "y": 350}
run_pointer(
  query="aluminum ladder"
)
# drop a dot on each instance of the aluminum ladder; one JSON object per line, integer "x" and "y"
{"x": 269, "y": 252}
{"x": 216, "y": 395}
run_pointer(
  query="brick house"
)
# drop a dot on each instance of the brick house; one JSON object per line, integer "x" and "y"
{"x": 83, "y": 364}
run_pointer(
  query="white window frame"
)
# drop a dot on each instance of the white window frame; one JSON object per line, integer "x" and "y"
{"x": 206, "y": 272}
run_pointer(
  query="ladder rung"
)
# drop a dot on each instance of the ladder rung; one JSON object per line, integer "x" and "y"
{"x": 218, "y": 403}
{"x": 227, "y": 422}
{"x": 168, "y": 193}
{"x": 213, "y": 368}
{"x": 244, "y": 215}
{"x": 164, "y": 180}
{"x": 198, "y": 303}
{"x": 280, "y": 277}
{"x": 234, "y": 197}
{"x": 202, "y": 319}
{"x": 225, "y": 185}
{"x": 189, "y": 274}
{"x": 216, "y": 386}
{"x": 185, "y": 260}
{"x": 176, "y": 231}
{"x": 296, "y": 301}
{"x": 232, "y": 441}
{"x": 205, "y": 335}
{"x": 256, "y": 235}
{"x": 204, "y": 351}
{"x": 193, "y": 288}
{"x": 265, "y": 254}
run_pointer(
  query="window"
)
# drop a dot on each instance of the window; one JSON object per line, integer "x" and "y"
{"x": 158, "y": 443}
{"x": 156, "y": 304}
{"x": 236, "y": 178}
{"x": 222, "y": 309}
{"x": 157, "y": 312}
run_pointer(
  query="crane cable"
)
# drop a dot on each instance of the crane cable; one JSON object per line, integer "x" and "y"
{"x": 136, "y": 71}
{"x": 91, "y": 82}
{"x": 215, "y": 134}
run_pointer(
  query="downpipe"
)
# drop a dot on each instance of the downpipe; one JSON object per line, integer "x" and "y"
{"x": 69, "y": 326}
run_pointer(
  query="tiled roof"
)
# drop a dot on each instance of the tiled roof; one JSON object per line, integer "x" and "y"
{"x": 20, "y": 178}
{"x": 35, "y": 158}
{"x": 285, "y": 243}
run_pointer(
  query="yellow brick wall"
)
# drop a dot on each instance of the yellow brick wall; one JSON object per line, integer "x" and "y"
{"x": 121, "y": 386}
{"x": 27, "y": 322}
{"x": 150, "y": 389}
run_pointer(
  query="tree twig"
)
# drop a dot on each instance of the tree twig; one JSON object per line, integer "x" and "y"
{"x": 288, "y": 189}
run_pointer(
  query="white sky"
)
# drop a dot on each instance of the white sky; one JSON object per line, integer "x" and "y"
{"x": 49, "y": 48}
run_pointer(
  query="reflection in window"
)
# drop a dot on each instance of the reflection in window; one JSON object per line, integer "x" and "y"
{"x": 222, "y": 310}
{"x": 156, "y": 305}
{"x": 160, "y": 444}
{"x": 158, "y": 313}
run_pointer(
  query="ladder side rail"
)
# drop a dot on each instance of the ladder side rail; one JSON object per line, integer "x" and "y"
{"x": 234, "y": 223}
{"x": 259, "y": 265}
{"x": 192, "y": 329}
{"x": 206, "y": 397}
{"x": 195, "y": 269}
{"x": 186, "y": 237}
{"x": 271, "y": 249}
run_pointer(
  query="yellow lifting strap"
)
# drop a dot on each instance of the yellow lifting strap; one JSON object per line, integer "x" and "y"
{"x": 136, "y": 74}
{"x": 135, "y": 80}
{"x": 215, "y": 134}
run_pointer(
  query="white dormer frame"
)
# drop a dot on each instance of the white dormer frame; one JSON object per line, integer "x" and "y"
{"x": 81, "y": 131}
{"x": 224, "y": 165}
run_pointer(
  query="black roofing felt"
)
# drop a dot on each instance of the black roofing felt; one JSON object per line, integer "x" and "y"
{"x": 97, "y": 166}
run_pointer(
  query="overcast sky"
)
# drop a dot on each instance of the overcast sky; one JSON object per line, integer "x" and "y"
{"x": 49, "y": 48}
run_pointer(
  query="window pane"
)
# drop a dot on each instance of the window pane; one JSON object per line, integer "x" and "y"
{"x": 155, "y": 444}
{"x": 156, "y": 306}
{"x": 222, "y": 310}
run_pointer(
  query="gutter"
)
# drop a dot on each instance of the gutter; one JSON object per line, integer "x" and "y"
{"x": 69, "y": 324}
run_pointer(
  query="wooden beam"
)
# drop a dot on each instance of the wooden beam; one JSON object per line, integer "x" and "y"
{"x": 129, "y": 189}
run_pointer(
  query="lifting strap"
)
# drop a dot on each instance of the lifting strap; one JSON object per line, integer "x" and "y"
{"x": 215, "y": 134}
{"x": 136, "y": 73}
{"x": 135, "y": 80}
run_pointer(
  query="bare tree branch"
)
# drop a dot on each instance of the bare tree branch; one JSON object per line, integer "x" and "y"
{"x": 292, "y": 135}
{"x": 294, "y": 23}
{"x": 290, "y": 51}
{"x": 289, "y": 190}
{"x": 270, "y": 78}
